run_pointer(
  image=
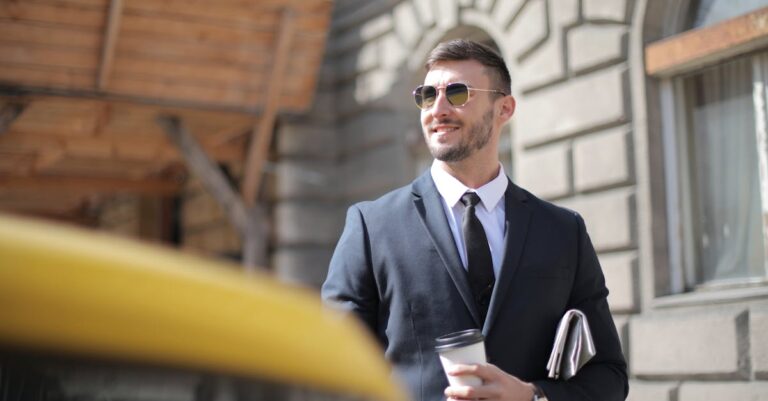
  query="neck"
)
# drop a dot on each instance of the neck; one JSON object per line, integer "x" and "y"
{"x": 471, "y": 174}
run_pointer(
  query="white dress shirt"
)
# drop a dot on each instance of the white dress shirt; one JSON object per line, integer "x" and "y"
{"x": 491, "y": 214}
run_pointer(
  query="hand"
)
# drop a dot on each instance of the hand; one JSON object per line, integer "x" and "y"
{"x": 497, "y": 385}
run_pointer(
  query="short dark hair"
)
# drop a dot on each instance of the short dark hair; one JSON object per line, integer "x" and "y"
{"x": 462, "y": 49}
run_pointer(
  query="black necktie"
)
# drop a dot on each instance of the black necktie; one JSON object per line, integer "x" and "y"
{"x": 479, "y": 262}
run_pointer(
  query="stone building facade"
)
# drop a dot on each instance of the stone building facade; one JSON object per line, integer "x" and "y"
{"x": 589, "y": 134}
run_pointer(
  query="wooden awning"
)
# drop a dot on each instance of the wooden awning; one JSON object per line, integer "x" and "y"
{"x": 82, "y": 83}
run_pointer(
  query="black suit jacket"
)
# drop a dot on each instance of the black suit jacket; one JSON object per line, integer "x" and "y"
{"x": 397, "y": 267}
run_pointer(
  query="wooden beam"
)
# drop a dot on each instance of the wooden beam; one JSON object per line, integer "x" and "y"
{"x": 206, "y": 170}
{"x": 698, "y": 47}
{"x": 151, "y": 186}
{"x": 251, "y": 222}
{"x": 261, "y": 139}
{"x": 110, "y": 38}
{"x": 8, "y": 114}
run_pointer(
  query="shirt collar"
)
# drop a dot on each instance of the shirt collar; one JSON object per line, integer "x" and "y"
{"x": 451, "y": 189}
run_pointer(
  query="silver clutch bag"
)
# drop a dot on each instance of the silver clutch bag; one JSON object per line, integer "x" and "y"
{"x": 573, "y": 346}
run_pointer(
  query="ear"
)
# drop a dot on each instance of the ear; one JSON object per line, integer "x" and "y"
{"x": 506, "y": 108}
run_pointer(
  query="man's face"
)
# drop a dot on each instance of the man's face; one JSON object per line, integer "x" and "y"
{"x": 453, "y": 133}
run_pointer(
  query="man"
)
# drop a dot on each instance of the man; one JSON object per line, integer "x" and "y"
{"x": 416, "y": 264}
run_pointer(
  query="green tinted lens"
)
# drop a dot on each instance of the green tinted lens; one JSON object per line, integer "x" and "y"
{"x": 457, "y": 94}
{"x": 425, "y": 96}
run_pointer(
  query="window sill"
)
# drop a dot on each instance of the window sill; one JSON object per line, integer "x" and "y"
{"x": 699, "y": 47}
{"x": 712, "y": 296}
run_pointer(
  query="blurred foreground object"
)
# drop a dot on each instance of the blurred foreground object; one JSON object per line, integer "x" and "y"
{"x": 68, "y": 295}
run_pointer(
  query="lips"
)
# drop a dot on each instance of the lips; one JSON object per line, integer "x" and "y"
{"x": 441, "y": 129}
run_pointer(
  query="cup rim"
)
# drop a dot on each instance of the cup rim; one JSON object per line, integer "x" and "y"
{"x": 458, "y": 339}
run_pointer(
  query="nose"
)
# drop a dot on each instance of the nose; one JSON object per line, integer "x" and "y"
{"x": 441, "y": 107}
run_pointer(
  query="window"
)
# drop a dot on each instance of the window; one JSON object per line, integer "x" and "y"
{"x": 720, "y": 162}
{"x": 713, "y": 102}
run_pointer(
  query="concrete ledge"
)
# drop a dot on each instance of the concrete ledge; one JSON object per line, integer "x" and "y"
{"x": 696, "y": 391}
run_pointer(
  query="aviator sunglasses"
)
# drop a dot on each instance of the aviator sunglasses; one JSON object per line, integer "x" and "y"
{"x": 456, "y": 93}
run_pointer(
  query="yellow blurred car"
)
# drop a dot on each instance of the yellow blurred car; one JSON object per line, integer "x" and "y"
{"x": 87, "y": 316}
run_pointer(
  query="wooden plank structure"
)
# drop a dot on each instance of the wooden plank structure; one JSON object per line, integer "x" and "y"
{"x": 83, "y": 82}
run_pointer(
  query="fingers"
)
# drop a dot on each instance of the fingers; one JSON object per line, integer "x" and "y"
{"x": 486, "y": 371}
{"x": 472, "y": 393}
{"x": 488, "y": 390}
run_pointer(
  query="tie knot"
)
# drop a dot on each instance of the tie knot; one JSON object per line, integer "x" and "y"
{"x": 470, "y": 199}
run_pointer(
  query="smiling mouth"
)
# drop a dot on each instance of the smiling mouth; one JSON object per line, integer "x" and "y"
{"x": 443, "y": 129}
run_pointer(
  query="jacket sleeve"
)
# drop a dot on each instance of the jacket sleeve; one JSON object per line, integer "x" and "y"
{"x": 604, "y": 377}
{"x": 350, "y": 284}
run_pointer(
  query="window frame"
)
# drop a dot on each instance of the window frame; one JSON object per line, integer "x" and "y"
{"x": 667, "y": 60}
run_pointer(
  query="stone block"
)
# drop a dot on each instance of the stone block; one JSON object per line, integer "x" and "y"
{"x": 446, "y": 13}
{"x": 392, "y": 52}
{"x": 592, "y": 45}
{"x": 702, "y": 391}
{"x": 367, "y": 58}
{"x": 327, "y": 73}
{"x": 425, "y": 12}
{"x": 758, "y": 332}
{"x": 375, "y": 171}
{"x": 306, "y": 140}
{"x": 640, "y": 390}
{"x": 609, "y": 217}
{"x": 482, "y": 5}
{"x": 370, "y": 129}
{"x": 530, "y": 28}
{"x": 347, "y": 64}
{"x": 407, "y": 25}
{"x": 302, "y": 265}
{"x": 346, "y": 102}
{"x": 306, "y": 179}
{"x": 545, "y": 171}
{"x": 323, "y": 108}
{"x": 611, "y": 10}
{"x": 544, "y": 65}
{"x": 601, "y": 160}
{"x": 376, "y": 27}
{"x": 622, "y": 324}
{"x": 701, "y": 344}
{"x": 374, "y": 85}
{"x": 307, "y": 223}
{"x": 620, "y": 271}
{"x": 344, "y": 42}
{"x": 564, "y": 13}
{"x": 579, "y": 104}
{"x": 504, "y": 11}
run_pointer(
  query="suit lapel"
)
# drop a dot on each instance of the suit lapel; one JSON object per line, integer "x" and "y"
{"x": 429, "y": 205}
{"x": 517, "y": 215}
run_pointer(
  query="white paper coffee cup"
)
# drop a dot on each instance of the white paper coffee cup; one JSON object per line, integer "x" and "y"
{"x": 465, "y": 348}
